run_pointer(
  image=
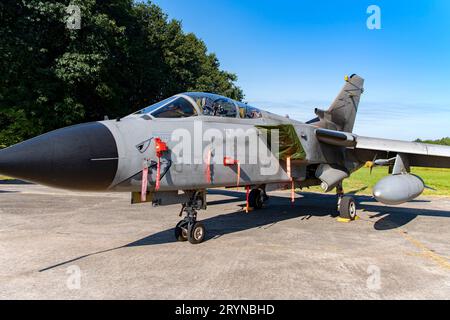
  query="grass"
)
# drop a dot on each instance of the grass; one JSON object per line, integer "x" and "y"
{"x": 362, "y": 181}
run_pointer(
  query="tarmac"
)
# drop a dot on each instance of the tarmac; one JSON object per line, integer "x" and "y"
{"x": 56, "y": 244}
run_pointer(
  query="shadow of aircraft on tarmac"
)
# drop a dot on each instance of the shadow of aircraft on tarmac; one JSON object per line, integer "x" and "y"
{"x": 280, "y": 209}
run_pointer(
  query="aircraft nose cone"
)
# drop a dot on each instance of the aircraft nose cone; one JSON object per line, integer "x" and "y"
{"x": 80, "y": 157}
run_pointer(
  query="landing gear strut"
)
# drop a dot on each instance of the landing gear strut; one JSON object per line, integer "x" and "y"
{"x": 346, "y": 205}
{"x": 189, "y": 229}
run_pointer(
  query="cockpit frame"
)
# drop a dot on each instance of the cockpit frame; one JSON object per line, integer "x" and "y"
{"x": 205, "y": 104}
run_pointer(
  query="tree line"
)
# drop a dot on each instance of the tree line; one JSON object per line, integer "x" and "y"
{"x": 124, "y": 56}
{"x": 443, "y": 141}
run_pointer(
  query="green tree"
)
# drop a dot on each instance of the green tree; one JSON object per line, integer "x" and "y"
{"x": 443, "y": 141}
{"x": 125, "y": 56}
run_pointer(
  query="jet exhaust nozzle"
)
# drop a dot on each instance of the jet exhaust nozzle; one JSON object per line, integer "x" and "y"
{"x": 398, "y": 189}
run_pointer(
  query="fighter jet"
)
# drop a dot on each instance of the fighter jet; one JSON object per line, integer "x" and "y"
{"x": 173, "y": 151}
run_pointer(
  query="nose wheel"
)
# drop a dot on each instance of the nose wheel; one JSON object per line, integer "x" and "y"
{"x": 189, "y": 229}
{"x": 196, "y": 233}
{"x": 181, "y": 230}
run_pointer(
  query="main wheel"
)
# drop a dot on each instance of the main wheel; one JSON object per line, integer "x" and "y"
{"x": 181, "y": 231}
{"x": 256, "y": 199}
{"x": 347, "y": 208}
{"x": 196, "y": 233}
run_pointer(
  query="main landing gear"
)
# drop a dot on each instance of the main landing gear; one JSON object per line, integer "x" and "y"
{"x": 189, "y": 229}
{"x": 346, "y": 205}
{"x": 256, "y": 198}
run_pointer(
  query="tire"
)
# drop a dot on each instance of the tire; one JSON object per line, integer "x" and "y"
{"x": 347, "y": 208}
{"x": 181, "y": 231}
{"x": 255, "y": 199}
{"x": 196, "y": 233}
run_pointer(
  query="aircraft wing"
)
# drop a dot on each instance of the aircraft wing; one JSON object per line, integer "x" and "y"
{"x": 366, "y": 148}
{"x": 419, "y": 154}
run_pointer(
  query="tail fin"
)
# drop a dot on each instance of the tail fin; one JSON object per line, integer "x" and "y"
{"x": 342, "y": 112}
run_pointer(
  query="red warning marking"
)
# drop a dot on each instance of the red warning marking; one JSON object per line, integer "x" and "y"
{"x": 160, "y": 148}
{"x": 228, "y": 161}
{"x": 208, "y": 166}
{"x": 144, "y": 183}
{"x": 238, "y": 174}
{"x": 158, "y": 175}
{"x": 292, "y": 191}
{"x": 247, "y": 194}
{"x": 288, "y": 167}
{"x": 289, "y": 173}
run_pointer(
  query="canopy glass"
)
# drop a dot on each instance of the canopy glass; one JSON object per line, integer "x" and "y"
{"x": 208, "y": 104}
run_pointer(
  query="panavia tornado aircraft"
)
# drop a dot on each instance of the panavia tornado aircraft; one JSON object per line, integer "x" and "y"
{"x": 173, "y": 151}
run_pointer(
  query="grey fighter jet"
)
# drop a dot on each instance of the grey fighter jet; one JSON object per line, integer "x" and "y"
{"x": 173, "y": 151}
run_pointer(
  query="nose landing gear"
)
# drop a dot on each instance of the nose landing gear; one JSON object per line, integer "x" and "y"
{"x": 189, "y": 229}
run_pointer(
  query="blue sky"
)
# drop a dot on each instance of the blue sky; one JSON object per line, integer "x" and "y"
{"x": 292, "y": 56}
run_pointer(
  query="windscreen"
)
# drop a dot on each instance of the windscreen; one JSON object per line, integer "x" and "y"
{"x": 173, "y": 107}
{"x": 155, "y": 106}
{"x": 178, "y": 108}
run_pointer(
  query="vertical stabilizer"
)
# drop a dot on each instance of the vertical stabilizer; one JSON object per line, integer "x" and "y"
{"x": 342, "y": 112}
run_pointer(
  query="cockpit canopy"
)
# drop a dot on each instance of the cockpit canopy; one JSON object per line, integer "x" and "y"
{"x": 198, "y": 103}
